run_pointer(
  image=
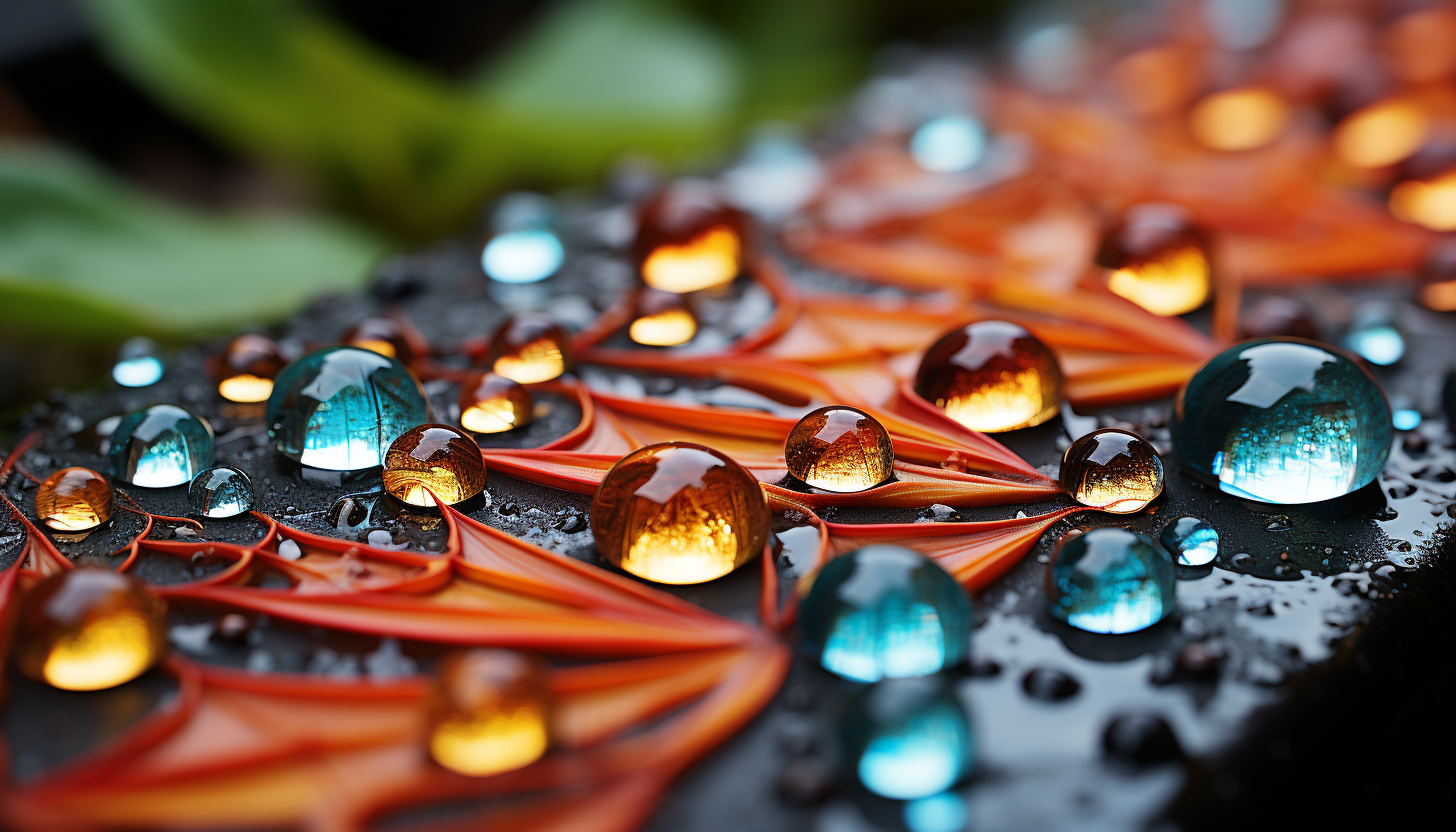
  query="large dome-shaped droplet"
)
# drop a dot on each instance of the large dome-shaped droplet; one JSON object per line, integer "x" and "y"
{"x": 909, "y": 738}
{"x": 1112, "y": 470}
{"x": 89, "y": 629}
{"x": 490, "y": 712}
{"x": 1110, "y": 581}
{"x": 221, "y": 491}
{"x": 1158, "y": 260}
{"x": 991, "y": 376}
{"x": 434, "y": 459}
{"x": 73, "y": 500}
{"x": 160, "y": 446}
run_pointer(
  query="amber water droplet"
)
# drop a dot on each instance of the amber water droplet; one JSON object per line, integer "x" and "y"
{"x": 991, "y": 376}
{"x": 489, "y": 712}
{"x": 388, "y": 337}
{"x": 530, "y": 348}
{"x": 678, "y": 513}
{"x": 433, "y": 458}
{"x": 1438, "y": 278}
{"x": 663, "y": 320}
{"x": 491, "y": 403}
{"x": 688, "y": 238}
{"x": 841, "y": 449}
{"x": 1427, "y": 202}
{"x": 73, "y": 500}
{"x": 89, "y": 629}
{"x": 1239, "y": 119}
{"x": 245, "y": 371}
{"x": 1112, "y": 470}
{"x": 1158, "y": 260}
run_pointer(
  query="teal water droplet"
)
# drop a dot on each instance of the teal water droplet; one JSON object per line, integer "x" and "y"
{"x": 885, "y": 611}
{"x": 949, "y": 144}
{"x": 160, "y": 446}
{"x": 1281, "y": 420}
{"x": 1406, "y": 419}
{"x": 909, "y": 738}
{"x": 340, "y": 408}
{"x": 221, "y": 491}
{"x": 137, "y": 364}
{"x": 944, "y": 812}
{"x": 522, "y": 256}
{"x": 1191, "y": 541}
{"x": 1378, "y": 343}
{"x": 1110, "y": 581}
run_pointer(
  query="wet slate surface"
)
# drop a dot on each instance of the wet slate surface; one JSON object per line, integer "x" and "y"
{"x": 1308, "y": 613}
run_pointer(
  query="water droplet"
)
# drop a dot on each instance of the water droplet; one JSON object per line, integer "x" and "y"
{"x": 1405, "y": 419}
{"x": 73, "y": 500}
{"x": 388, "y": 337}
{"x": 340, "y": 408}
{"x": 664, "y": 319}
{"x": 490, "y": 403}
{"x": 1437, "y": 290}
{"x": 1239, "y": 119}
{"x": 1375, "y": 338}
{"x": 688, "y": 239}
{"x": 138, "y": 363}
{"x": 1048, "y": 684}
{"x": 433, "y": 458}
{"x": 1191, "y": 541}
{"x": 89, "y": 629}
{"x": 246, "y": 369}
{"x": 1158, "y": 260}
{"x": 221, "y": 491}
{"x": 991, "y": 376}
{"x": 1140, "y": 740}
{"x": 1283, "y": 421}
{"x": 1110, "y": 581}
{"x": 885, "y": 611}
{"x": 840, "y": 449}
{"x": 489, "y": 712}
{"x": 529, "y": 348}
{"x": 949, "y": 144}
{"x": 679, "y": 513}
{"x": 160, "y": 446}
{"x": 1112, "y": 470}
{"x": 909, "y": 738}
{"x": 944, "y": 812}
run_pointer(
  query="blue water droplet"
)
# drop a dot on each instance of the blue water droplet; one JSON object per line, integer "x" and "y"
{"x": 885, "y": 611}
{"x": 137, "y": 364}
{"x": 524, "y": 256}
{"x": 221, "y": 491}
{"x": 949, "y": 144}
{"x": 1405, "y": 419}
{"x": 909, "y": 738}
{"x": 1110, "y": 581}
{"x": 1191, "y": 541}
{"x": 340, "y": 408}
{"x": 1378, "y": 343}
{"x": 1281, "y": 420}
{"x": 944, "y": 812}
{"x": 160, "y": 446}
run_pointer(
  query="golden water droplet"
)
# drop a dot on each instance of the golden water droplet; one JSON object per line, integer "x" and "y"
{"x": 490, "y": 712}
{"x": 991, "y": 376}
{"x": 530, "y": 348}
{"x": 1112, "y": 470}
{"x": 1239, "y": 119}
{"x": 663, "y": 320}
{"x": 840, "y": 449}
{"x": 688, "y": 239}
{"x": 89, "y": 629}
{"x": 389, "y": 338}
{"x": 73, "y": 500}
{"x": 1427, "y": 202}
{"x": 1381, "y": 134}
{"x": 433, "y": 458}
{"x": 245, "y": 371}
{"x": 493, "y": 404}
{"x": 1437, "y": 290}
{"x": 678, "y": 513}
{"x": 1157, "y": 260}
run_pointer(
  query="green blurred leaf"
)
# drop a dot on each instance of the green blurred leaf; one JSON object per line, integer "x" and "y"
{"x": 84, "y": 255}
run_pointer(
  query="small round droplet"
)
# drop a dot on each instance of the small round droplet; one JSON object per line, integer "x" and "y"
{"x": 390, "y": 338}
{"x": 530, "y": 348}
{"x": 679, "y": 513}
{"x": 1140, "y": 740}
{"x": 1158, "y": 260}
{"x": 434, "y": 458}
{"x": 1375, "y": 338}
{"x": 89, "y": 629}
{"x": 490, "y": 403}
{"x": 944, "y": 812}
{"x": 221, "y": 491}
{"x": 949, "y": 144}
{"x": 1191, "y": 541}
{"x": 525, "y": 256}
{"x": 160, "y": 446}
{"x": 1047, "y": 684}
{"x": 885, "y": 611}
{"x": 991, "y": 376}
{"x": 909, "y": 738}
{"x": 490, "y": 712}
{"x": 246, "y": 370}
{"x": 1282, "y": 421}
{"x": 1405, "y": 419}
{"x": 840, "y": 449}
{"x": 1239, "y": 119}
{"x": 1112, "y": 470}
{"x": 339, "y": 408}
{"x": 73, "y": 500}
{"x": 688, "y": 239}
{"x": 138, "y": 363}
{"x": 663, "y": 320}
{"x": 1110, "y": 581}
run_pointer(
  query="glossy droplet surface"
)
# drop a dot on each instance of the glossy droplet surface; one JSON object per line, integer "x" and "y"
{"x": 138, "y": 364}
{"x": 246, "y": 370}
{"x": 1110, "y": 581}
{"x": 991, "y": 376}
{"x": 524, "y": 256}
{"x": 885, "y": 611}
{"x": 841, "y": 449}
{"x": 490, "y": 403}
{"x": 1156, "y": 259}
{"x": 489, "y": 712}
{"x": 530, "y": 348}
{"x": 73, "y": 500}
{"x": 160, "y": 446}
{"x": 1191, "y": 541}
{"x": 1375, "y": 338}
{"x": 688, "y": 239}
{"x": 1282, "y": 421}
{"x": 221, "y": 491}
{"x": 948, "y": 144}
{"x": 1112, "y": 470}
{"x": 89, "y": 629}
{"x": 434, "y": 458}
{"x": 909, "y": 738}
{"x": 663, "y": 320}
{"x": 340, "y": 408}
{"x": 678, "y": 513}
{"x": 388, "y": 337}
